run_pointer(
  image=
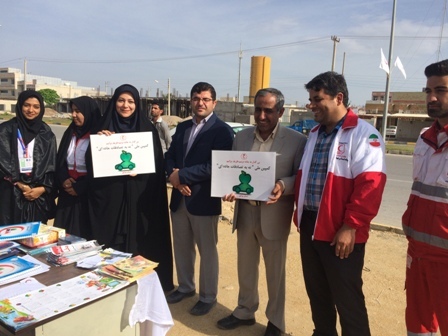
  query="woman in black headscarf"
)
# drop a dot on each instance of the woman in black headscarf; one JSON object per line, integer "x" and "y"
{"x": 27, "y": 164}
{"x": 130, "y": 213}
{"x": 71, "y": 179}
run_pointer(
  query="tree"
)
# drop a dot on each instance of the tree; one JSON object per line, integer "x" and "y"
{"x": 50, "y": 96}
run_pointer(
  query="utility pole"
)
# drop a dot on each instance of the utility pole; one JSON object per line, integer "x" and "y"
{"x": 24, "y": 74}
{"x": 105, "y": 87}
{"x": 169, "y": 97}
{"x": 335, "y": 40}
{"x": 239, "y": 73}
{"x": 391, "y": 47}
{"x": 343, "y": 64}
{"x": 441, "y": 32}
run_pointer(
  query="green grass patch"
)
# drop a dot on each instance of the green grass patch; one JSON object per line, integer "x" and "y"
{"x": 394, "y": 148}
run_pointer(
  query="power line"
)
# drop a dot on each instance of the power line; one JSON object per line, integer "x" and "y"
{"x": 283, "y": 45}
{"x": 164, "y": 59}
{"x": 356, "y": 37}
{"x": 13, "y": 60}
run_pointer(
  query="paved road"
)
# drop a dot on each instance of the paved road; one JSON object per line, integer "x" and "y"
{"x": 58, "y": 130}
{"x": 398, "y": 188}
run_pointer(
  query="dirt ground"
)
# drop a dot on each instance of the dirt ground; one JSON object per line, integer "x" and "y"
{"x": 384, "y": 272}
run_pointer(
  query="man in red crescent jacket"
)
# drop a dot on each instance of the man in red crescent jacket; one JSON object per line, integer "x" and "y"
{"x": 425, "y": 221}
{"x": 339, "y": 187}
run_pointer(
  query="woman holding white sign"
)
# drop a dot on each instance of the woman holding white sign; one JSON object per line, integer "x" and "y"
{"x": 130, "y": 212}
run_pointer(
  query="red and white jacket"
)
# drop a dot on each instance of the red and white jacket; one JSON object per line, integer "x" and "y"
{"x": 425, "y": 221}
{"x": 355, "y": 180}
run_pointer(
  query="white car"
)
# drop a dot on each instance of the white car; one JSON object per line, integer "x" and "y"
{"x": 391, "y": 131}
{"x": 236, "y": 127}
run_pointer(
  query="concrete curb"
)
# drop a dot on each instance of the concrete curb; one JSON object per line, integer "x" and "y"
{"x": 386, "y": 228}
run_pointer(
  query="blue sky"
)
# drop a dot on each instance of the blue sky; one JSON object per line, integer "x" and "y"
{"x": 138, "y": 42}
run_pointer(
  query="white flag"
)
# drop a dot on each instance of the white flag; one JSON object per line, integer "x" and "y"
{"x": 400, "y": 67}
{"x": 384, "y": 65}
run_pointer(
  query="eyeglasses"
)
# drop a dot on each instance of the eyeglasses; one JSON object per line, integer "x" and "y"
{"x": 205, "y": 100}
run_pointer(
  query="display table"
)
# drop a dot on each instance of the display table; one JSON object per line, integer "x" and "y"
{"x": 108, "y": 315}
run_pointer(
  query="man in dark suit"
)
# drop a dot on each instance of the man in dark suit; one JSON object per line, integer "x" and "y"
{"x": 265, "y": 225}
{"x": 194, "y": 213}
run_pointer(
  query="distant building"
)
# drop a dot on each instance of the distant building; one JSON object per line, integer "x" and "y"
{"x": 12, "y": 84}
{"x": 406, "y": 110}
{"x": 399, "y": 102}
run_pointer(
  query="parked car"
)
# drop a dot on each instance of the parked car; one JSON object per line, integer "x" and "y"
{"x": 391, "y": 131}
{"x": 304, "y": 126}
{"x": 236, "y": 127}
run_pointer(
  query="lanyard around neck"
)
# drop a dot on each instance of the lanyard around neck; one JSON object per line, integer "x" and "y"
{"x": 22, "y": 144}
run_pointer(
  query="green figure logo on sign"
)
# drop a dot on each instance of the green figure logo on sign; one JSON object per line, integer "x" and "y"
{"x": 126, "y": 163}
{"x": 244, "y": 186}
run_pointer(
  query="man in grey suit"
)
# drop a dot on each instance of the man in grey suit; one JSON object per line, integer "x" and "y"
{"x": 265, "y": 225}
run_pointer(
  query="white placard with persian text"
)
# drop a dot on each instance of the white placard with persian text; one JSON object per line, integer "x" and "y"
{"x": 122, "y": 154}
{"x": 250, "y": 175}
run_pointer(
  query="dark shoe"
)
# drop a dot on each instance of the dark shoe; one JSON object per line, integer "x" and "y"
{"x": 272, "y": 330}
{"x": 168, "y": 292}
{"x": 232, "y": 322}
{"x": 177, "y": 296}
{"x": 202, "y": 308}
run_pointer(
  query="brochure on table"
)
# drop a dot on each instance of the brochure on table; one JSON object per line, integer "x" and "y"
{"x": 14, "y": 265}
{"x": 130, "y": 269}
{"x": 35, "y": 267}
{"x": 105, "y": 257}
{"x": 19, "y": 231}
{"x": 250, "y": 175}
{"x": 67, "y": 254}
{"x": 122, "y": 154}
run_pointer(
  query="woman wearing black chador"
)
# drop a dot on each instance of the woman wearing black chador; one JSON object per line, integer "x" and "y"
{"x": 72, "y": 210}
{"x": 27, "y": 164}
{"x": 130, "y": 213}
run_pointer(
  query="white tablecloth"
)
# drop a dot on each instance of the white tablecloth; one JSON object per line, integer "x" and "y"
{"x": 150, "y": 308}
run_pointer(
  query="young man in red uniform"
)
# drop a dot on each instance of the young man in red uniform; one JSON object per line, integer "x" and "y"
{"x": 425, "y": 221}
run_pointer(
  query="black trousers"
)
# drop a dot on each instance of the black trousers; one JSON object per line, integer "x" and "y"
{"x": 333, "y": 284}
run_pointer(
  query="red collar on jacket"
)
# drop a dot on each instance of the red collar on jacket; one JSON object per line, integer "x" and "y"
{"x": 430, "y": 135}
{"x": 351, "y": 120}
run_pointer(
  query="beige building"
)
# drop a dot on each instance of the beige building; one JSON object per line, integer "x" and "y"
{"x": 406, "y": 110}
{"x": 399, "y": 102}
{"x": 12, "y": 84}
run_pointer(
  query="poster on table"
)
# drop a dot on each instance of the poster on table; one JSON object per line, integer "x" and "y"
{"x": 122, "y": 154}
{"x": 250, "y": 175}
{"x": 22, "y": 310}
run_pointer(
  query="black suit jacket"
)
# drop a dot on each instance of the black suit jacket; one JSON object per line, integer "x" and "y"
{"x": 195, "y": 167}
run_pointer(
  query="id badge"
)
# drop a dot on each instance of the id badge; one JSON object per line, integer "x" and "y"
{"x": 26, "y": 165}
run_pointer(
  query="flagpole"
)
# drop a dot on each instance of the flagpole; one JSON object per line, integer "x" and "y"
{"x": 391, "y": 46}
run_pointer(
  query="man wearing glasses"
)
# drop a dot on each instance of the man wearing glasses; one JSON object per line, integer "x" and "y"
{"x": 194, "y": 213}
